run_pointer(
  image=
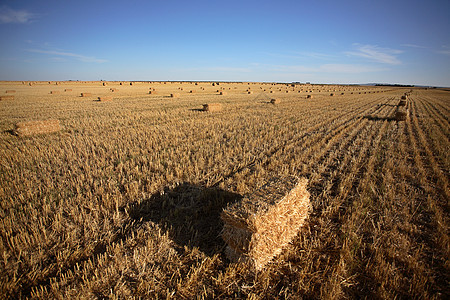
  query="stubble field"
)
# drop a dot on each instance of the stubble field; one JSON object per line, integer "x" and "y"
{"x": 125, "y": 200}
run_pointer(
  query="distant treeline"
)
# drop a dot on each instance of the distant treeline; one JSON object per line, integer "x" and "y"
{"x": 396, "y": 85}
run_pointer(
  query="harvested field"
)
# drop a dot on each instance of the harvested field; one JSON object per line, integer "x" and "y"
{"x": 125, "y": 200}
{"x": 8, "y": 97}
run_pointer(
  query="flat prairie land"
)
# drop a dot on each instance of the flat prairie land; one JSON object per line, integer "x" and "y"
{"x": 125, "y": 200}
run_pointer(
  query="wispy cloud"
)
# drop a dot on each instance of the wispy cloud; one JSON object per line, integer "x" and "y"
{"x": 9, "y": 15}
{"x": 377, "y": 54}
{"x": 329, "y": 68}
{"x": 414, "y": 46}
{"x": 445, "y": 50}
{"x": 79, "y": 57}
{"x": 302, "y": 55}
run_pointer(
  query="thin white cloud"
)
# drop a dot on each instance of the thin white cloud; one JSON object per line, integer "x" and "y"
{"x": 414, "y": 46}
{"x": 79, "y": 57}
{"x": 377, "y": 54}
{"x": 20, "y": 16}
{"x": 329, "y": 68}
{"x": 302, "y": 55}
{"x": 445, "y": 50}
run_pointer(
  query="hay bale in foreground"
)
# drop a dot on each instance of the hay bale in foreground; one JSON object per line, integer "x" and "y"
{"x": 402, "y": 103}
{"x": 9, "y": 97}
{"x": 258, "y": 227}
{"x": 400, "y": 116}
{"x": 212, "y": 107}
{"x": 104, "y": 98}
{"x": 404, "y": 97}
{"x": 36, "y": 127}
{"x": 275, "y": 101}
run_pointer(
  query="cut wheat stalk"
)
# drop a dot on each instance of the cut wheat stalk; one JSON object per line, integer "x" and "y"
{"x": 259, "y": 226}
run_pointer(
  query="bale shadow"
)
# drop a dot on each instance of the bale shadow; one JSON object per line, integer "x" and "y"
{"x": 190, "y": 214}
{"x": 11, "y": 132}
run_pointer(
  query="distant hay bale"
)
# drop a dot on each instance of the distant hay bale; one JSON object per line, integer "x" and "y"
{"x": 400, "y": 115}
{"x": 30, "y": 84}
{"x": 104, "y": 83}
{"x": 113, "y": 90}
{"x": 36, "y": 127}
{"x": 10, "y": 91}
{"x": 259, "y": 226}
{"x": 275, "y": 101}
{"x": 402, "y": 103}
{"x": 104, "y": 98}
{"x": 192, "y": 91}
{"x": 152, "y": 92}
{"x": 121, "y": 83}
{"x": 212, "y": 107}
{"x": 222, "y": 93}
{"x": 342, "y": 93}
{"x": 309, "y": 96}
{"x": 9, "y": 97}
{"x": 131, "y": 83}
{"x": 54, "y": 92}
{"x": 67, "y": 90}
{"x": 249, "y": 92}
{"x": 86, "y": 94}
{"x": 332, "y": 94}
{"x": 174, "y": 95}
{"x": 271, "y": 92}
{"x": 404, "y": 97}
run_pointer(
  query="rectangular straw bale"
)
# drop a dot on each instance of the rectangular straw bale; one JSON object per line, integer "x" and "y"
{"x": 404, "y": 97}
{"x": 86, "y": 94}
{"x": 402, "y": 103}
{"x": 175, "y": 95}
{"x": 36, "y": 127}
{"x": 222, "y": 93}
{"x": 259, "y": 226}
{"x": 400, "y": 116}
{"x": 10, "y": 91}
{"x": 67, "y": 90}
{"x": 104, "y": 98}
{"x": 212, "y": 107}
{"x": 54, "y": 92}
{"x": 9, "y": 97}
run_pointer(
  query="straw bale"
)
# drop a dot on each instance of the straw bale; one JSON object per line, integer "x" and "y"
{"x": 249, "y": 92}
{"x": 54, "y": 92}
{"x": 104, "y": 83}
{"x": 400, "y": 116}
{"x": 10, "y": 91}
{"x": 222, "y": 93}
{"x": 402, "y": 103}
{"x": 104, "y": 98}
{"x": 309, "y": 96}
{"x": 258, "y": 227}
{"x": 275, "y": 101}
{"x": 175, "y": 95}
{"x": 86, "y": 94}
{"x": 37, "y": 127}
{"x": 113, "y": 90}
{"x": 152, "y": 92}
{"x": 67, "y": 90}
{"x": 9, "y": 97}
{"x": 192, "y": 91}
{"x": 212, "y": 107}
{"x": 404, "y": 97}
{"x": 131, "y": 83}
{"x": 332, "y": 94}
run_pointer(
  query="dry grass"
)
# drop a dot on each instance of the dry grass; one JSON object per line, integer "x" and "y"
{"x": 125, "y": 200}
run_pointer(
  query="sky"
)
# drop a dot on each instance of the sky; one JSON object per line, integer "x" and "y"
{"x": 328, "y": 41}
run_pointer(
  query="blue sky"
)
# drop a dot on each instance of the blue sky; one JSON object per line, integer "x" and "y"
{"x": 348, "y": 41}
